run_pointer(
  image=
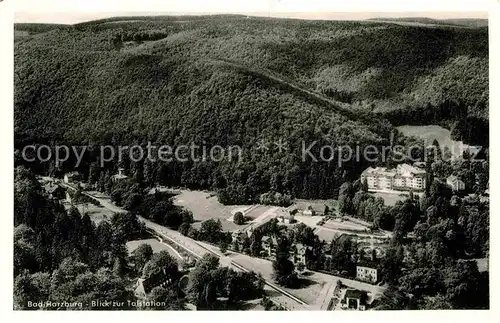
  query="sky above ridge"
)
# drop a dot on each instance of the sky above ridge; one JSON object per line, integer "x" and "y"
{"x": 76, "y": 17}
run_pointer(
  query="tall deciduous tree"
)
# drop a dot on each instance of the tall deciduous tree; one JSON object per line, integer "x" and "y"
{"x": 283, "y": 269}
{"x": 141, "y": 256}
{"x": 162, "y": 263}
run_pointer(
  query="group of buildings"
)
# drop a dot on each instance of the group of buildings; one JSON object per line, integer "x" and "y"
{"x": 298, "y": 255}
{"x": 270, "y": 243}
{"x": 287, "y": 215}
{"x": 75, "y": 176}
{"x": 403, "y": 178}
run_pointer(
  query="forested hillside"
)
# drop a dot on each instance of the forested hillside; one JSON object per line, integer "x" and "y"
{"x": 232, "y": 80}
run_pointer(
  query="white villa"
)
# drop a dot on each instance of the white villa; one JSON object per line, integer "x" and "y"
{"x": 404, "y": 178}
{"x": 455, "y": 183}
{"x": 119, "y": 176}
{"x": 366, "y": 274}
{"x": 284, "y": 216}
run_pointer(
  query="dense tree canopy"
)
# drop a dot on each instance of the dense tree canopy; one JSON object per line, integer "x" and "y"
{"x": 232, "y": 81}
{"x": 208, "y": 284}
{"x": 62, "y": 256}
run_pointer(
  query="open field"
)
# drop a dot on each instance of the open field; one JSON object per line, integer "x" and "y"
{"x": 205, "y": 205}
{"x": 310, "y": 221}
{"x": 430, "y": 133}
{"x": 390, "y": 199}
{"x": 339, "y": 224}
{"x": 333, "y": 227}
{"x": 326, "y": 235}
{"x": 156, "y": 245}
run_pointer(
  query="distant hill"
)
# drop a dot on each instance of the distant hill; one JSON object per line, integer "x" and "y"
{"x": 464, "y": 22}
{"x": 230, "y": 80}
{"x": 468, "y": 22}
{"x": 39, "y": 28}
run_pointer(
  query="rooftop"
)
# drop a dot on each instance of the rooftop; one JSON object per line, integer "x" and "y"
{"x": 482, "y": 263}
{"x": 355, "y": 293}
{"x": 367, "y": 265}
{"x": 400, "y": 170}
{"x": 119, "y": 176}
{"x": 410, "y": 169}
{"x": 452, "y": 178}
{"x": 318, "y": 206}
{"x": 379, "y": 171}
{"x": 268, "y": 239}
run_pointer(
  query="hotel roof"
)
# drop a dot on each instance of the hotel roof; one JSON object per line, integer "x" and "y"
{"x": 384, "y": 171}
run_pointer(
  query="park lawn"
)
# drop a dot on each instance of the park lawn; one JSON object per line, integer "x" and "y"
{"x": 337, "y": 224}
{"x": 205, "y": 205}
{"x": 327, "y": 235}
{"x": 156, "y": 245}
{"x": 390, "y": 199}
{"x": 429, "y": 133}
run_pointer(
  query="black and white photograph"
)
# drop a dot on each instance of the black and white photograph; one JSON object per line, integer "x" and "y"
{"x": 250, "y": 161}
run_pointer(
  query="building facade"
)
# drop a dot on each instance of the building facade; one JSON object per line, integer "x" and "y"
{"x": 366, "y": 274}
{"x": 354, "y": 300}
{"x": 403, "y": 178}
{"x": 298, "y": 254}
{"x": 284, "y": 216}
{"x": 268, "y": 245}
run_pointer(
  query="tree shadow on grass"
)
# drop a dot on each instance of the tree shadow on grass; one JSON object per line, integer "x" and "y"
{"x": 307, "y": 273}
{"x": 246, "y": 306}
{"x": 272, "y": 293}
{"x": 302, "y": 283}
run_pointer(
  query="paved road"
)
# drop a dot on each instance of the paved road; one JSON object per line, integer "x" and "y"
{"x": 325, "y": 296}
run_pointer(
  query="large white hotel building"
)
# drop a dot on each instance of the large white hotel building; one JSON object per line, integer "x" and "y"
{"x": 403, "y": 178}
